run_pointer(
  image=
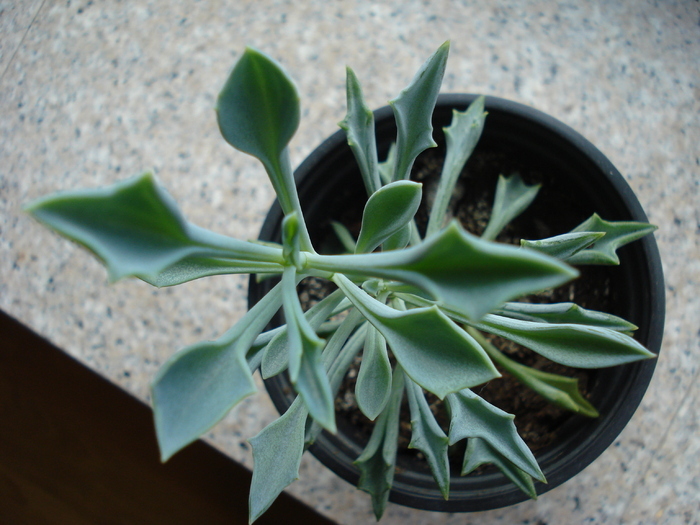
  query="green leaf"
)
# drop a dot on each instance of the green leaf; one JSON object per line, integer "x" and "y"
{"x": 461, "y": 138}
{"x": 258, "y": 108}
{"x": 429, "y": 346}
{"x": 457, "y": 269}
{"x": 574, "y": 345}
{"x": 359, "y": 126}
{"x": 305, "y": 365}
{"x": 479, "y": 452}
{"x": 378, "y": 460}
{"x": 387, "y": 211}
{"x": 135, "y": 228}
{"x": 557, "y": 389}
{"x": 617, "y": 234}
{"x": 563, "y": 313}
{"x": 413, "y": 109}
{"x": 374, "y": 379}
{"x": 198, "y": 386}
{"x": 344, "y": 236}
{"x": 472, "y": 417}
{"x": 277, "y": 452}
{"x": 258, "y": 113}
{"x": 428, "y": 437}
{"x": 400, "y": 239}
{"x": 563, "y": 247}
{"x": 513, "y": 197}
{"x": 276, "y": 355}
{"x": 388, "y": 166}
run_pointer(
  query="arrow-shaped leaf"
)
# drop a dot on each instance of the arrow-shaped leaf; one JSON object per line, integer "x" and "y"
{"x": 413, "y": 109}
{"x": 461, "y": 137}
{"x": 513, "y": 196}
{"x": 458, "y": 269}
{"x": 472, "y": 417}
{"x": 428, "y": 437}
{"x": 374, "y": 378}
{"x": 359, "y": 126}
{"x": 617, "y": 234}
{"x": 574, "y": 345}
{"x": 564, "y": 313}
{"x": 429, "y": 346}
{"x": 377, "y": 461}
{"x": 387, "y": 211}
{"x": 479, "y": 452}
{"x": 198, "y": 386}
{"x": 135, "y": 228}
{"x": 563, "y": 247}
{"x": 277, "y": 452}
{"x": 557, "y": 389}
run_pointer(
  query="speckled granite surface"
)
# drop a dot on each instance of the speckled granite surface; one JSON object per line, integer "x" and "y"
{"x": 92, "y": 92}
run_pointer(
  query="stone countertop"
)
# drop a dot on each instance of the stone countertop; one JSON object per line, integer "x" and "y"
{"x": 93, "y": 92}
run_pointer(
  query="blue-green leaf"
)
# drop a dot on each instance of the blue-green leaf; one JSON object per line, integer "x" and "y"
{"x": 258, "y": 107}
{"x": 359, "y": 126}
{"x": 460, "y": 138}
{"x": 479, "y": 452}
{"x": 378, "y": 460}
{"x": 563, "y": 247}
{"x": 277, "y": 452}
{"x": 513, "y": 196}
{"x": 472, "y": 417}
{"x": 374, "y": 379}
{"x": 429, "y": 346}
{"x": 387, "y": 211}
{"x": 344, "y": 236}
{"x": 564, "y": 313}
{"x": 428, "y": 437}
{"x": 617, "y": 234}
{"x": 557, "y": 389}
{"x": 413, "y": 109}
{"x": 135, "y": 228}
{"x": 574, "y": 345}
{"x": 458, "y": 269}
{"x": 196, "y": 387}
{"x": 305, "y": 365}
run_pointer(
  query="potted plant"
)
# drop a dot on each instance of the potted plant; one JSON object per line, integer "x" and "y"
{"x": 416, "y": 295}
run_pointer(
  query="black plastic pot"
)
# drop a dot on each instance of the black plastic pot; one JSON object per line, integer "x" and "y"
{"x": 330, "y": 187}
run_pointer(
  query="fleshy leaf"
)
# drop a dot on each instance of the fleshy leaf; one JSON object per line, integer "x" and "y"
{"x": 388, "y": 165}
{"x": 378, "y": 460}
{"x": 617, "y": 234}
{"x": 344, "y": 236}
{"x": 563, "y": 313}
{"x": 479, "y": 452}
{"x": 557, "y": 389}
{"x": 413, "y": 109}
{"x": 258, "y": 108}
{"x": 513, "y": 196}
{"x": 472, "y": 417}
{"x": 359, "y": 126}
{"x": 135, "y": 228}
{"x": 374, "y": 379}
{"x": 461, "y": 137}
{"x": 387, "y": 211}
{"x": 574, "y": 345}
{"x": 563, "y": 247}
{"x": 428, "y": 437}
{"x": 277, "y": 452}
{"x": 196, "y": 387}
{"x": 429, "y": 346}
{"x": 305, "y": 365}
{"x": 458, "y": 269}
{"x": 276, "y": 356}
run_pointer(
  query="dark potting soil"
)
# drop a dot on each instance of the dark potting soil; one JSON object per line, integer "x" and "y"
{"x": 554, "y": 211}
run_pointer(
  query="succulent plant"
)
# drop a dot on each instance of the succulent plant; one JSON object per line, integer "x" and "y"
{"x": 417, "y": 308}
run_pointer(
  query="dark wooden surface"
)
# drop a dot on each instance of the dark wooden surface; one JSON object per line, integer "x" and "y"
{"x": 75, "y": 448}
